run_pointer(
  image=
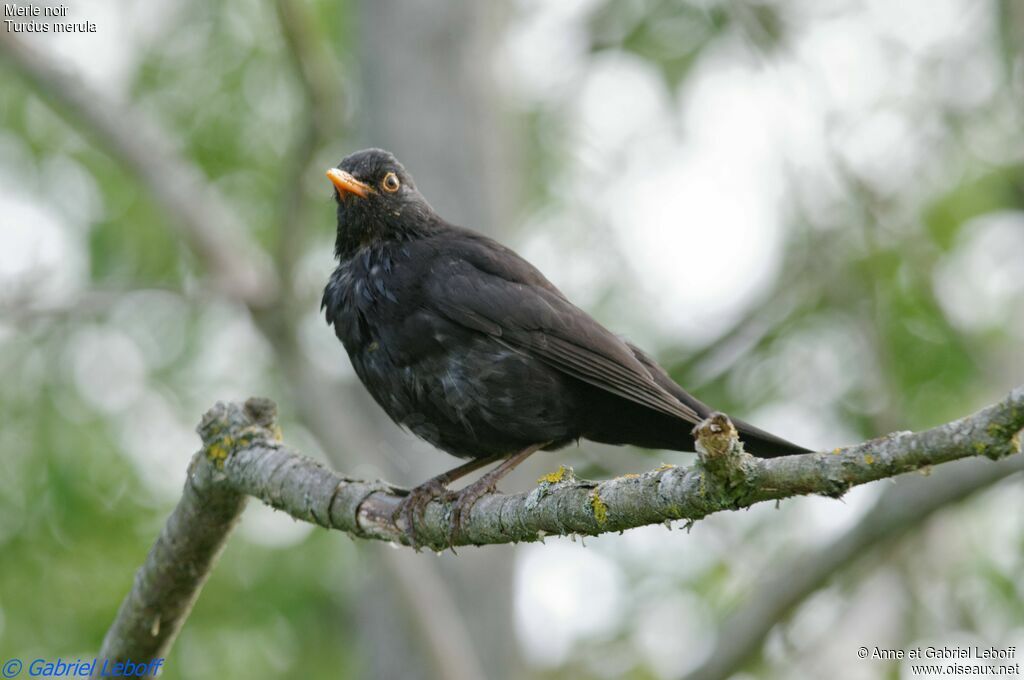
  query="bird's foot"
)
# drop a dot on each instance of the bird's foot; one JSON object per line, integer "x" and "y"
{"x": 466, "y": 498}
{"x": 414, "y": 506}
{"x": 464, "y": 501}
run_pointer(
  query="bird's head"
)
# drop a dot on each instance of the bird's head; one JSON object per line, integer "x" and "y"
{"x": 377, "y": 201}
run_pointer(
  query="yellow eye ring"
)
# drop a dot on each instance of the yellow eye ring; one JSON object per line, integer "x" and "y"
{"x": 390, "y": 183}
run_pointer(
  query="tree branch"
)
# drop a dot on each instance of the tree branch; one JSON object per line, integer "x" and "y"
{"x": 898, "y": 510}
{"x": 199, "y": 214}
{"x": 178, "y": 564}
{"x": 236, "y": 265}
{"x": 242, "y": 455}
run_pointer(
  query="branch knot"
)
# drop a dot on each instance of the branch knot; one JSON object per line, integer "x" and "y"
{"x": 722, "y": 457}
{"x": 228, "y": 427}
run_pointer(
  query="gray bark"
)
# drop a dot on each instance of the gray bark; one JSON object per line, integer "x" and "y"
{"x": 242, "y": 455}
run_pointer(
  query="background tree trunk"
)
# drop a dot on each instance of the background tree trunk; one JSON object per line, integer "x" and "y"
{"x": 429, "y": 97}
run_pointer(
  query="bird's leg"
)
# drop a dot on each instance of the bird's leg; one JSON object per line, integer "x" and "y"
{"x": 465, "y": 498}
{"x": 415, "y": 503}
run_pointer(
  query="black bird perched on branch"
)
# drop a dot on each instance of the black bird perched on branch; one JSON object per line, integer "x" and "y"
{"x": 467, "y": 345}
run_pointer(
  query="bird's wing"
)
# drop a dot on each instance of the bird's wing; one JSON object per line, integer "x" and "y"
{"x": 505, "y": 300}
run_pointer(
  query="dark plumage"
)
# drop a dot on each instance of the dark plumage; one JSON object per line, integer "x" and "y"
{"x": 468, "y": 346}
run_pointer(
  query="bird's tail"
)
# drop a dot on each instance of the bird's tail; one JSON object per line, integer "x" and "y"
{"x": 756, "y": 441}
{"x": 763, "y": 444}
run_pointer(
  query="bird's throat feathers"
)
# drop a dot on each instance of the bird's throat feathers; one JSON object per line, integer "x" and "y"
{"x": 363, "y": 225}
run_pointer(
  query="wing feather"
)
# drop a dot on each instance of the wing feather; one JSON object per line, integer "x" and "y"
{"x": 537, "y": 319}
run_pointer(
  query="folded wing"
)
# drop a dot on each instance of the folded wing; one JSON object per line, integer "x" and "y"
{"x": 513, "y": 303}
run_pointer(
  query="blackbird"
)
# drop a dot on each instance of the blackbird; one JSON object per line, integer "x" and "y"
{"x": 467, "y": 345}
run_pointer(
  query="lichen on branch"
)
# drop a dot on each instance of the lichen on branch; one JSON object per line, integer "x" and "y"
{"x": 724, "y": 478}
{"x": 243, "y": 455}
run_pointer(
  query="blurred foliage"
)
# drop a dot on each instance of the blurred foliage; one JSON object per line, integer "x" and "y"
{"x": 76, "y": 515}
{"x": 668, "y": 33}
{"x": 671, "y": 34}
{"x": 79, "y": 509}
{"x": 997, "y": 189}
{"x": 77, "y": 521}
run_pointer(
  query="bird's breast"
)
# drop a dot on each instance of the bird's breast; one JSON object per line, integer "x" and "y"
{"x": 372, "y": 301}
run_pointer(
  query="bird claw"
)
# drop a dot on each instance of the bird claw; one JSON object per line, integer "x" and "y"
{"x": 463, "y": 503}
{"x": 413, "y": 507}
{"x": 416, "y": 502}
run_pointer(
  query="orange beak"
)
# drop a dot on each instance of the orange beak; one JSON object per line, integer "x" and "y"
{"x": 347, "y": 184}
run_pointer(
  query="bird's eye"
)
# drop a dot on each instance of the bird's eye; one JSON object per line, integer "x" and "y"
{"x": 390, "y": 182}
